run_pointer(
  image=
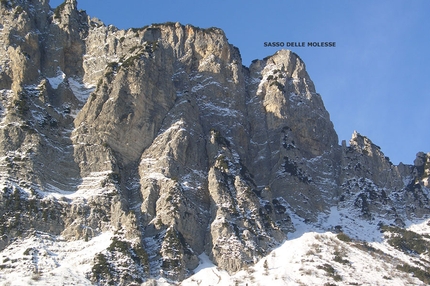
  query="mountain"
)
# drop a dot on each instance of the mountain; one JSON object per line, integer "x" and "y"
{"x": 133, "y": 156}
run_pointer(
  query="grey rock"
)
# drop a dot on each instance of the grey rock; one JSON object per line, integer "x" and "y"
{"x": 162, "y": 136}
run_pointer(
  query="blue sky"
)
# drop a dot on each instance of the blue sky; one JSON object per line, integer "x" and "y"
{"x": 376, "y": 79}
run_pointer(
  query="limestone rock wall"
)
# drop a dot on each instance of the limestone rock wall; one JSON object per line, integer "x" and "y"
{"x": 161, "y": 135}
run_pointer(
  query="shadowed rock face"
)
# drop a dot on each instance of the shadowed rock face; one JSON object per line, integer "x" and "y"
{"x": 161, "y": 134}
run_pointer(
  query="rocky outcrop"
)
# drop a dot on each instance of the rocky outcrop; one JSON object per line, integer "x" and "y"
{"x": 377, "y": 189}
{"x": 161, "y": 135}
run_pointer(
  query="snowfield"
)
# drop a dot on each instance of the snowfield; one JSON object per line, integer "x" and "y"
{"x": 320, "y": 257}
{"x": 42, "y": 259}
{"x": 312, "y": 255}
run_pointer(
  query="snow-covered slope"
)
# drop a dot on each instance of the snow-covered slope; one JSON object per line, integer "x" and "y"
{"x": 315, "y": 256}
{"x": 43, "y": 259}
{"x": 310, "y": 256}
{"x": 144, "y": 155}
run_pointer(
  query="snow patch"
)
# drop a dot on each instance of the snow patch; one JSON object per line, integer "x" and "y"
{"x": 43, "y": 259}
{"x": 200, "y": 86}
{"x": 222, "y": 111}
{"x": 81, "y": 90}
{"x": 56, "y": 81}
{"x": 89, "y": 186}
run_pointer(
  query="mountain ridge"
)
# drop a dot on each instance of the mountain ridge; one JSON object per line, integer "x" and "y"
{"x": 162, "y": 137}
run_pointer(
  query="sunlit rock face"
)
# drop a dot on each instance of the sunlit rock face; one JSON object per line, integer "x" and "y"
{"x": 162, "y": 136}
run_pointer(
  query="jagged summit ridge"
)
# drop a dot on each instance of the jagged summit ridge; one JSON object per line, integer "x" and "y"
{"x": 162, "y": 136}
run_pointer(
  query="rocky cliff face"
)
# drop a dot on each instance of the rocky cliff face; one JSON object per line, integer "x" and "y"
{"x": 161, "y": 135}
